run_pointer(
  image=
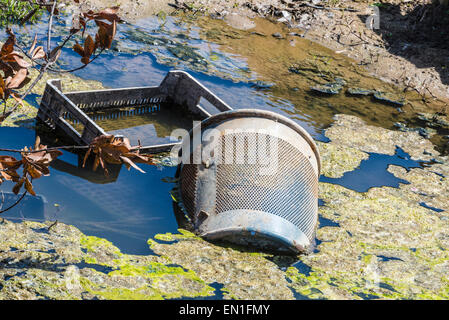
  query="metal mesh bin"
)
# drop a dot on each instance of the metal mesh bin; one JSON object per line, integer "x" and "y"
{"x": 253, "y": 180}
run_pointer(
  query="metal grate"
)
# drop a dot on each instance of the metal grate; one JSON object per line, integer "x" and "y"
{"x": 259, "y": 184}
{"x": 291, "y": 193}
{"x": 189, "y": 186}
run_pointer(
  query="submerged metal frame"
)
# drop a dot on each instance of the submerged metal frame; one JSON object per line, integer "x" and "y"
{"x": 177, "y": 87}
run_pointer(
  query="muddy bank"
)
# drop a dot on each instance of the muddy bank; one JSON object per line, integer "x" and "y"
{"x": 386, "y": 243}
{"x": 407, "y": 49}
{"x": 130, "y": 10}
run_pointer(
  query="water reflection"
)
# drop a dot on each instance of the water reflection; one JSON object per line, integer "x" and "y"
{"x": 126, "y": 208}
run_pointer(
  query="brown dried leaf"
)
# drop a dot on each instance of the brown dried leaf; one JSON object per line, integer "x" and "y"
{"x": 33, "y": 45}
{"x": 18, "y": 186}
{"x": 37, "y": 143}
{"x": 78, "y": 49}
{"x": 2, "y": 88}
{"x": 89, "y": 46}
{"x": 11, "y": 163}
{"x": 54, "y": 54}
{"x": 130, "y": 163}
{"x": 38, "y": 53}
{"x": 108, "y": 149}
{"x": 85, "y": 60}
{"x": 105, "y": 35}
{"x": 29, "y": 187}
{"x": 8, "y": 46}
{"x": 109, "y": 14}
{"x": 16, "y": 60}
{"x": 17, "y": 80}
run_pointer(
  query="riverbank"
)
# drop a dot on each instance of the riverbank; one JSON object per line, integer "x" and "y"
{"x": 410, "y": 48}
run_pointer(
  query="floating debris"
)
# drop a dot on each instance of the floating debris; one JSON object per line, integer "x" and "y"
{"x": 315, "y": 70}
{"x": 423, "y": 132}
{"x": 385, "y": 97}
{"x": 434, "y": 120}
{"x": 331, "y": 87}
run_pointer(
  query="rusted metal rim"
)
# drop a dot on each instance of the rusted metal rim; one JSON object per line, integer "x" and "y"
{"x": 241, "y": 113}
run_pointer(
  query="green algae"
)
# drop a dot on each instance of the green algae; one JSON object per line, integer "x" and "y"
{"x": 41, "y": 273}
{"x": 238, "y": 270}
{"x": 92, "y": 243}
{"x": 167, "y": 282}
{"x": 337, "y": 160}
{"x": 386, "y": 245}
{"x": 23, "y": 117}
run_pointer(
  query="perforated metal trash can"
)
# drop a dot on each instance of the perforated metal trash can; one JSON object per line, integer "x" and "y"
{"x": 251, "y": 177}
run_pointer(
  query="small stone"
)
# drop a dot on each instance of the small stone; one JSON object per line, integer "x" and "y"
{"x": 389, "y": 98}
{"x": 359, "y": 91}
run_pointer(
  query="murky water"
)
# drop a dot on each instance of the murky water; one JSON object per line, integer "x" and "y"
{"x": 247, "y": 69}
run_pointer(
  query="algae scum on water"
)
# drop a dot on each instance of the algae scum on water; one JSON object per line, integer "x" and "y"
{"x": 377, "y": 242}
{"x": 381, "y": 243}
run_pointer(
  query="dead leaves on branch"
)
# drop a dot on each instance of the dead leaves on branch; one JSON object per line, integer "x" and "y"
{"x": 35, "y": 161}
{"x": 15, "y": 70}
{"x": 11, "y": 83}
{"x": 15, "y": 67}
{"x": 109, "y": 14}
{"x": 114, "y": 150}
{"x": 34, "y": 164}
{"x": 38, "y": 52}
{"x": 105, "y": 33}
{"x": 12, "y": 61}
{"x": 86, "y": 51}
{"x": 12, "y": 58}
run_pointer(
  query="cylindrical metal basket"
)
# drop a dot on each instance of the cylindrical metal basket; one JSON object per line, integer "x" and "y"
{"x": 251, "y": 177}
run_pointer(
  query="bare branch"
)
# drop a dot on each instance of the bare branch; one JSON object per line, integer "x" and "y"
{"x": 50, "y": 25}
{"x": 15, "y": 204}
